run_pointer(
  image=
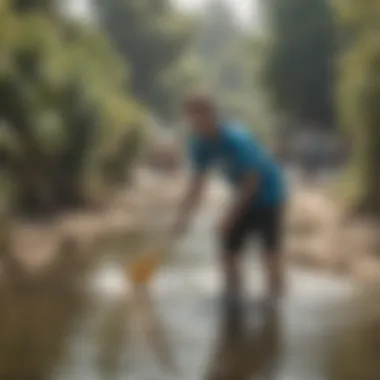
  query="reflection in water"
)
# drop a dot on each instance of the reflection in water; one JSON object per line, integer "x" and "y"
{"x": 36, "y": 317}
{"x": 112, "y": 338}
{"x": 355, "y": 352}
{"x": 60, "y": 327}
{"x": 152, "y": 327}
{"x": 53, "y": 321}
{"x": 244, "y": 352}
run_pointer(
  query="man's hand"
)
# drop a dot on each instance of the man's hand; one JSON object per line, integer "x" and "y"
{"x": 225, "y": 225}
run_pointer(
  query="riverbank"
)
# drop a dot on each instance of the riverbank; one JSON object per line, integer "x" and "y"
{"x": 318, "y": 235}
{"x": 322, "y": 236}
{"x": 32, "y": 246}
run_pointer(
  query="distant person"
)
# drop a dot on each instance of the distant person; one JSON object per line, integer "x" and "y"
{"x": 259, "y": 194}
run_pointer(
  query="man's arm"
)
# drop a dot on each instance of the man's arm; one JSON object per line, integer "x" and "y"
{"x": 190, "y": 201}
{"x": 200, "y": 162}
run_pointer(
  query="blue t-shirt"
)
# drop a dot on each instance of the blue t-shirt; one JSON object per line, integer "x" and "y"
{"x": 237, "y": 153}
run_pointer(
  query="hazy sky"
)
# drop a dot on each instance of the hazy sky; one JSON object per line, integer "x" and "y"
{"x": 244, "y": 8}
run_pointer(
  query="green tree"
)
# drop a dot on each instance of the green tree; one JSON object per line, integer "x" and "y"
{"x": 298, "y": 67}
{"x": 151, "y": 38}
{"x": 359, "y": 95}
{"x": 64, "y": 115}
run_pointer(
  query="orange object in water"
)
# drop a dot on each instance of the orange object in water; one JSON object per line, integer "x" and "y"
{"x": 145, "y": 267}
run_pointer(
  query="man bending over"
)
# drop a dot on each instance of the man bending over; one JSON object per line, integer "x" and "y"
{"x": 259, "y": 193}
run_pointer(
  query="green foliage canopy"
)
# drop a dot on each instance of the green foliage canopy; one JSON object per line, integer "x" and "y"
{"x": 65, "y": 118}
{"x": 359, "y": 95}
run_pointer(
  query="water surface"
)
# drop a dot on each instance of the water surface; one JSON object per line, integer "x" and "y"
{"x": 88, "y": 324}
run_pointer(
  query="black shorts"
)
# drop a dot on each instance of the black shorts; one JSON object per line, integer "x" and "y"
{"x": 263, "y": 222}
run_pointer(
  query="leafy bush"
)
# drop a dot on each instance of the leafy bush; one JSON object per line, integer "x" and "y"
{"x": 65, "y": 116}
{"x": 359, "y": 96}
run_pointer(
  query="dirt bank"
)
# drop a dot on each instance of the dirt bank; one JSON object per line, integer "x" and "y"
{"x": 318, "y": 235}
{"x": 321, "y": 236}
{"x": 32, "y": 246}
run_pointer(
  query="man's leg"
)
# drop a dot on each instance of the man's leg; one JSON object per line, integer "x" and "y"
{"x": 275, "y": 273}
{"x": 232, "y": 246}
{"x": 231, "y": 271}
{"x": 272, "y": 235}
{"x": 232, "y": 295}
